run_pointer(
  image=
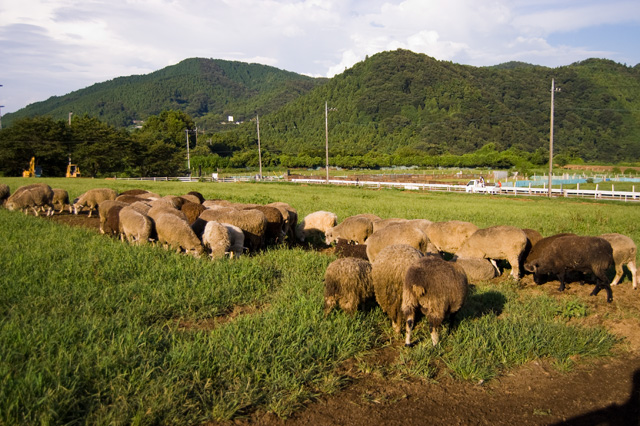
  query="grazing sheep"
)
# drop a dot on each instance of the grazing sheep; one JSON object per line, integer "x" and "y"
{"x": 112, "y": 224}
{"x": 570, "y": 253}
{"x": 383, "y": 223}
{"x": 192, "y": 211}
{"x": 540, "y": 248}
{"x": 400, "y": 233}
{"x": 438, "y": 287}
{"x": 215, "y": 238}
{"x": 275, "y": 223}
{"x": 387, "y": 274}
{"x": 134, "y": 226}
{"x": 141, "y": 207}
{"x": 314, "y": 225}
{"x": 477, "y": 269}
{"x": 176, "y": 233}
{"x": 496, "y": 242}
{"x": 449, "y": 236}
{"x": 370, "y": 216}
{"x": 347, "y": 284}
{"x": 175, "y": 201}
{"x": 130, "y": 199}
{"x": 35, "y": 196}
{"x": 92, "y": 199}
{"x": 160, "y": 207}
{"x": 103, "y": 211}
{"x": 215, "y": 203}
{"x": 4, "y": 193}
{"x": 422, "y": 224}
{"x": 252, "y": 222}
{"x": 344, "y": 249}
{"x": 290, "y": 216}
{"x": 624, "y": 253}
{"x": 236, "y": 236}
{"x": 354, "y": 229}
{"x": 60, "y": 200}
{"x": 134, "y": 192}
{"x": 533, "y": 237}
{"x": 191, "y": 198}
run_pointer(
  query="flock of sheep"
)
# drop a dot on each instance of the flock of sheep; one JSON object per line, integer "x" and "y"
{"x": 399, "y": 262}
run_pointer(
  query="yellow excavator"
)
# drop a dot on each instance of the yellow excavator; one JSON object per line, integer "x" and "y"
{"x": 33, "y": 171}
{"x": 73, "y": 170}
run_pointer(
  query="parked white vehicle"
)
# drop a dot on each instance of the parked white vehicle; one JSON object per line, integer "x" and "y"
{"x": 478, "y": 186}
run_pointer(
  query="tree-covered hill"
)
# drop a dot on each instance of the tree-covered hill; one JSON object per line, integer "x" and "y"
{"x": 206, "y": 89}
{"x": 405, "y": 103}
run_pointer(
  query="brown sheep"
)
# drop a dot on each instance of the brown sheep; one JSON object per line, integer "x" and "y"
{"x": 438, "y": 287}
{"x": 192, "y": 211}
{"x": 387, "y": 274}
{"x": 344, "y": 249}
{"x": 347, "y": 284}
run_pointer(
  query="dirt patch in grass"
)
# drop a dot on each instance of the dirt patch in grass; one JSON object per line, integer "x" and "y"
{"x": 602, "y": 392}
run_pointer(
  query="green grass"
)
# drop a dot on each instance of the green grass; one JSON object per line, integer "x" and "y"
{"x": 96, "y": 331}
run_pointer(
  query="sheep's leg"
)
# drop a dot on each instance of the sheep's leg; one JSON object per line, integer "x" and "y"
{"x": 634, "y": 277}
{"x": 435, "y": 336}
{"x": 561, "y": 277}
{"x": 409, "y": 327}
{"x": 35, "y": 211}
{"x": 619, "y": 273}
{"x": 495, "y": 265}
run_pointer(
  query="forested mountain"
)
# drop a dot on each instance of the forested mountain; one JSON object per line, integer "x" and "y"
{"x": 394, "y": 108}
{"x": 207, "y": 89}
{"x": 405, "y": 103}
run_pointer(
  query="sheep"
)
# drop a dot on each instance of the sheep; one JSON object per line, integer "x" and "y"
{"x": 191, "y": 198}
{"x": 387, "y": 275}
{"x": 103, "y": 210}
{"x": 214, "y": 203}
{"x": 92, "y": 199}
{"x": 372, "y": 217}
{"x": 112, "y": 224}
{"x": 422, "y": 224}
{"x": 134, "y": 192}
{"x": 290, "y": 216}
{"x": 236, "y": 236}
{"x": 141, "y": 207}
{"x": 624, "y": 252}
{"x": 314, "y": 225}
{"x": 60, "y": 200}
{"x": 355, "y": 229}
{"x": 449, "y": 236}
{"x": 5, "y": 191}
{"x": 197, "y": 195}
{"x": 130, "y": 199}
{"x": 540, "y": 248}
{"x": 252, "y": 222}
{"x": 438, "y": 287}
{"x": 383, "y": 223}
{"x": 192, "y": 211}
{"x": 569, "y": 253}
{"x": 496, "y": 242}
{"x": 177, "y": 233}
{"x": 347, "y": 284}
{"x": 35, "y": 196}
{"x": 275, "y": 232}
{"x": 175, "y": 201}
{"x": 477, "y": 269}
{"x": 533, "y": 237}
{"x": 400, "y": 233}
{"x": 162, "y": 207}
{"x": 134, "y": 226}
{"x": 344, "y": 249}
{"x": 215, "y": 238}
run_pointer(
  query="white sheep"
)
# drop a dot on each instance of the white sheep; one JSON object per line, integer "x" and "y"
{"x": 92, "y": 199}
{"x": 134, "y": 226}
{"x": 236, "y": 236}
{"x": 383, "y": 223}
{"x": 314, "y": 225}
{"x": 215, "y": 239}
{"x": 624, "y": 253}
{"x": 35, "y": 196}
{"x": 177, "y": 233}
{"x": 354, "y": 229}
{"x": 494, "y": 243}
{"x": 400, "y": 233}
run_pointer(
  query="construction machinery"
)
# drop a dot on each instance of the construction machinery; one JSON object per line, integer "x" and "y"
{"x": 73, "y": 170}
{"x": 33, "y": 171}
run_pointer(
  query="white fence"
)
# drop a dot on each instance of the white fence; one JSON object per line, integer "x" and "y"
{"x": 526, "y": 191}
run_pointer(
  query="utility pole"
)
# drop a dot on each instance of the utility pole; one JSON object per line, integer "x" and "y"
{"x": 1, "y": 106}
{"x": 259, "y": 150}
{"x": 553, "y": 90}
{"x": 188, "y": 157}
{"x": 70, "y": 114}
{"x": 326, "y": 133}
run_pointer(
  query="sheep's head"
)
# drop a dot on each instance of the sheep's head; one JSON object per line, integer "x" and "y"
{"x": 328, "y": 237}
{"x": 531, "y": 267}
{"x": 10, "y": 205}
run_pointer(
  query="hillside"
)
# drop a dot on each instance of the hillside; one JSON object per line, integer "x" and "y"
{"x": 207, "y": 89}
{"x": 403, "y": 103}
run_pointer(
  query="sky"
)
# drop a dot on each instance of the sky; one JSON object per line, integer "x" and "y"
{"x": 53, "y": 47}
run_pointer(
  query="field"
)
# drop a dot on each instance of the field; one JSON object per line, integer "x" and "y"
{"x": 95, "y": 331}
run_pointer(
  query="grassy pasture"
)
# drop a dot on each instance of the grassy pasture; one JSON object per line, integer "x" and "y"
{"x": 95, "y": 331}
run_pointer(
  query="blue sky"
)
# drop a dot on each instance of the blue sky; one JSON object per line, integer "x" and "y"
{"x": 53, "y": 47}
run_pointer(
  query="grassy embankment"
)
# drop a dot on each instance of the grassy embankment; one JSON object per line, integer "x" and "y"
{"x": 95, "y": 331}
